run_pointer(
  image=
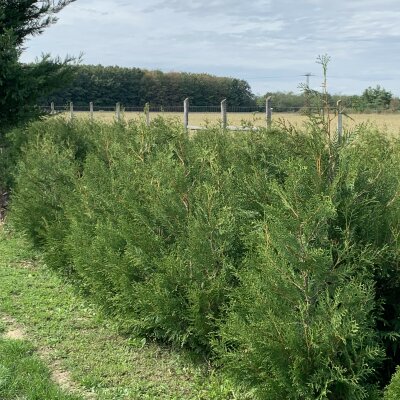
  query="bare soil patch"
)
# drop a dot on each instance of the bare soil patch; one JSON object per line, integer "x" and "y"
{"x": 60, "y": 375}
{"x": 14, "y": 331}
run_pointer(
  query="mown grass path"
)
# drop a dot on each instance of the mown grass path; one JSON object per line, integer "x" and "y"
{"x": 85, "y": 350}
{"x": 24, "y": 376}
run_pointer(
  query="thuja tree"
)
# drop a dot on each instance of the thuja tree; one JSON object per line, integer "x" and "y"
{"x": 316, "y": 309}
{"x": 368, "y": 207}
{"x": 392, "y": 392}
{"x": 301, "y": 324}
{"x": 277, "y": 249}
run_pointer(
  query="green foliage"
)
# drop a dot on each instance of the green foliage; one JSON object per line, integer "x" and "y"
{"x": 21, "y": 85}
{"x": 90, "y": 347}
{"x": 276, "y": 251}
{"x": 371, "y": 100}
{"x": 284, "y": 101}
{"x": 369, "y": 213}
{"x": 53, "y": 158}
{"x": 28, "y": 17}
{"x": 134, "y": 87}
{"x": 392, "y": 391}
{"x": 300, "y": 325}
{"x": 376, "y": 97}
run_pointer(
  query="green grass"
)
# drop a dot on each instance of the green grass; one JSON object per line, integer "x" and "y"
{"x": 24, "y": 376}
{"x": 69, "y": 333}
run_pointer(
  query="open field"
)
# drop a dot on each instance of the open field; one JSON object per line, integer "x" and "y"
{"x": 389, "y": 122}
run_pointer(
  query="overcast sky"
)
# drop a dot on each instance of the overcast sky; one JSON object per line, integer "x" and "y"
{"x": 271, "y": 44}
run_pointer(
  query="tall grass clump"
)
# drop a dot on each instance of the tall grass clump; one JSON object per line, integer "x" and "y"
{"x": 274, "y": 251}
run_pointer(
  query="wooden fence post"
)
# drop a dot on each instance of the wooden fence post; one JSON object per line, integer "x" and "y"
{"x": 71, "y": 111}
{"x": 147, "y": 113}
{"x": 118, "y": 112}
{"x": 339, "y": 121}
{"x": 91, "y": 110}
{"x": 268, "y": 112}
{"x": 186, "y": 114}
{"x": 52, "y": 110}
{"x": 223, "y": 114}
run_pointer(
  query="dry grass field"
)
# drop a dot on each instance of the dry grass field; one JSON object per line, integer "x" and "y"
{"x": 389, "y": 122}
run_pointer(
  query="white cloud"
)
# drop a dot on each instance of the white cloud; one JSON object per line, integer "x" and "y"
{"x": 231, "y": 37}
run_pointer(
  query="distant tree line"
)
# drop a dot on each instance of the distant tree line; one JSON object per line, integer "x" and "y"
{"x": 105, "y": 86}
{"x": 372, "y": 99}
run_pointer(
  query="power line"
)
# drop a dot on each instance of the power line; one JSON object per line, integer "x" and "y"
{"x": 308, "y": 75}
{"x": 271, "y": 77}
{"x": 243, "y": 76}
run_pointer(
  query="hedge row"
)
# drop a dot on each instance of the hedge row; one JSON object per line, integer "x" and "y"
{"x": 274, "y": 252}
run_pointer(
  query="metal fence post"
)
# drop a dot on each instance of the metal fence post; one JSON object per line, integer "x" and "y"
{"x": 91, "y": 110}
{"x": 268, "y": 111}
{"x": 186, "y": 114}
{"x": 147, "y": 113}
{"x": 223, "y": 114}
{"x": 118, "y": 112}
{"x": 340, "y": 121}
{"x": 52, "y": 110}
{"x": 71, "y": 111}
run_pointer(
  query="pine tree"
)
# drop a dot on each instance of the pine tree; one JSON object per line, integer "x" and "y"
{"x": 21, "y": 85}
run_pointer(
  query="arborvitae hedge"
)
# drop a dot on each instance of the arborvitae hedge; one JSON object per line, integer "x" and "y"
{"x": 275, "y": 252}
{"x": 393, "y": 390}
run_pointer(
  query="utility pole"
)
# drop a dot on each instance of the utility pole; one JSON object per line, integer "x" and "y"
{"x": 308, "y": 75}
{"x": 307, "y": 91}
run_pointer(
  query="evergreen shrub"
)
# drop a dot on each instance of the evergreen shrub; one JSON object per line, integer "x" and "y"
{"x": 52, "y": 153}
{"x": 392, "y": 391}
{"x": 274, "y": 251}
{"x": 161, "y": 218}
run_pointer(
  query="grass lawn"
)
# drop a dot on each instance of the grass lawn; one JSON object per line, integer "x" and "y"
{"x": 67, "y": 342}
{"x": 24, "y": 376}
